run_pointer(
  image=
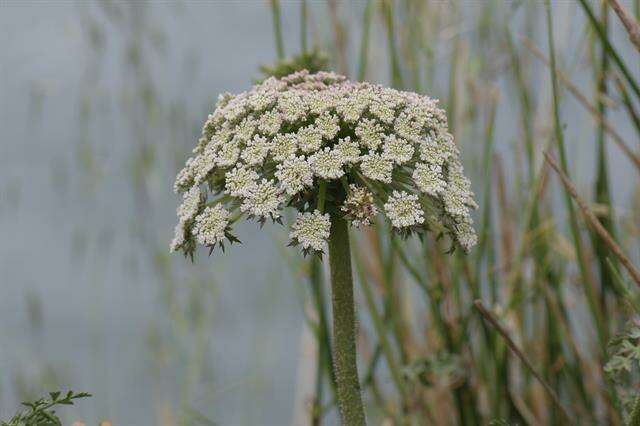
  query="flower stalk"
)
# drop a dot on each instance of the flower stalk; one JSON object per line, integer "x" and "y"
{"x": 344, "y": 326}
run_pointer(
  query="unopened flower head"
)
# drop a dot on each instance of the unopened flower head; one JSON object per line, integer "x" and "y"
{"x": 359, "y": 206}
{"x": 319, "y": 143}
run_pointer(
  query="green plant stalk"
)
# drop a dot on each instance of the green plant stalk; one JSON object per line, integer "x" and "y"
{"x": 622, "y": 288}
{"x": 609, "y": 48}
{"x": 392, "y": 301}
{"x": 573, "y": 221}
{"x": 315, "y": 279}
{"x": 487, "y": 190}
{"x": 396, "y": 73}
{"x": 381, "y": 333}
{"x": 463, "y": 398}
{"x": 325, "y": 357}
{"x": 602, "y": 194}
{"x": 277, "y": 28}
{"x": 344, "y": 325}
{"x": 628, "y": 103}
{"x": 412, "y": 10}
{"x": 364, "y": 42}
{"x": 303, "y": 26}
{"x": 525, "y": 104}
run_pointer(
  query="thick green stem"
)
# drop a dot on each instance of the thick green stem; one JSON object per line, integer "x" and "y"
{"x": 344, "y": 327}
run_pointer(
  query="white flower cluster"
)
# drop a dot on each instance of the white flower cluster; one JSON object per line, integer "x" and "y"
{"x": 211, "y": 225}
{"x": 370, "y": 148}
{"x": 311, "y": 230}
{"x": 403, "y": 209}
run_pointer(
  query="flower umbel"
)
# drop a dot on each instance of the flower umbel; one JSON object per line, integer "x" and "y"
{"x": 321, "y": 144}
{"x": 311, "y": 231}
{"x": 212, "y": 226}
{"x": 403, "y": 209}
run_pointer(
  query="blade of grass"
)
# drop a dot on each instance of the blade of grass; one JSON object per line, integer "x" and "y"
{"x": 364, "y": 42}
{"x": 589, "y": 285}
{"x": 378, "y": 325}
{"x": 610, "y": 49}
{"x": 324, "y": 342}
{"x": 396, "y": 73}
{"x": 277, "y": 28}
{"x": 340, "y": 37}
{"x": 303, "y": 26}
{"x": 629, "y": 23}
{"x": 514, "y": 348}
{"x": 592, "y": 220}
{"x": 622, "y": 288}
{"x": 525, "y": 104}
{"x": 628, "y": 103}
{"x": 487, "y": 190}
{"x": 634, "y": 157}
{"x": 601, "y": 187}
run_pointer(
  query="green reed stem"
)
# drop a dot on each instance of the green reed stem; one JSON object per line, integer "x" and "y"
{"x": 622, "y": 288}
{"x": 610, "y": 49}
{"x": 602, "y": 191}
{"x": 378, "y": 325}
{"x": 573, "y": 221}
{"x": 344, "y": 325}
{"x": 525, "y": 104}
{"x": 628, "y": 103}
{"x": 303, "y": 26}
{"x": 315, "y": 279}
{"x": 277, "y": 28}
{"x": 325, "y": 358}
{"x": 487, "y": 190}
{"x": 364, "y": 42}
{"x": 396, "y": 74}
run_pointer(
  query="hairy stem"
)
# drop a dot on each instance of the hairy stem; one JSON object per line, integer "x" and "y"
{"x": 344, "y": 336}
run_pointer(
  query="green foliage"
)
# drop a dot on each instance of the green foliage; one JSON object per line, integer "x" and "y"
{"x": 623, "y": 365}
{"x": 41, "y": 413}
{"x": 312, "y": 61}
{"x": 442, "y": 368}
{"x": 501, "y": 422}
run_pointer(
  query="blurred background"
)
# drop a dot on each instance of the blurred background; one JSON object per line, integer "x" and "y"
{"x": 101, "y": 102}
